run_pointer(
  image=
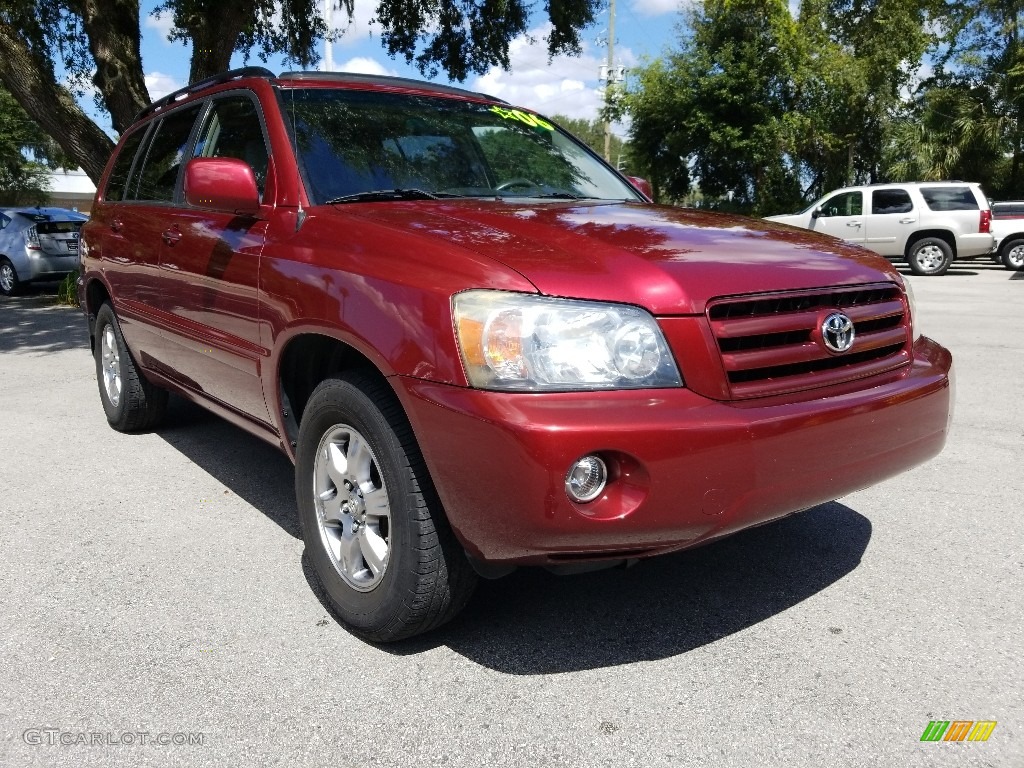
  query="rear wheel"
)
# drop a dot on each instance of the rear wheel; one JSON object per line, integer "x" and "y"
{"x": 930, "y": 256}
{"x": 129, "y": 400}
{"x": 374, "y": 529}
{"x": 1012, "y": 254}
{"x": 9, "y": 282}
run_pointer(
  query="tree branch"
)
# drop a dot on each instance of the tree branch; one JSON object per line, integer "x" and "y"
{"x": 30, "y": 80}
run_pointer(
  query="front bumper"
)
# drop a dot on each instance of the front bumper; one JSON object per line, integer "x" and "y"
{"x": 683, "y": 468}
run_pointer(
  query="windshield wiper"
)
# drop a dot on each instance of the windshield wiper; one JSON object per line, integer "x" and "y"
{"x": 390, "y": 194}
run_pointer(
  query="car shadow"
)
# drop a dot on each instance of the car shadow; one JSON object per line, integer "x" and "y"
{"x": 535, "y": 623}
{"x": 34, "y": 322}
{"x": 252, "y": 469}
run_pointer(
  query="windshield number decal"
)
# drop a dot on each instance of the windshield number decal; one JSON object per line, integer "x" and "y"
{"x": 523, "y": 117}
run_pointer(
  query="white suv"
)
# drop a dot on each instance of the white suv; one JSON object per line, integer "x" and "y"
{"x": 928, "y": 223}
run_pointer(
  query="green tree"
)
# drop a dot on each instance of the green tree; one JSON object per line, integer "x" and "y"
{"x": 717, "y": 111}
{"x": 97, "y": 42}
{"x": 967, "y": 119}
{"x": 591, "y": 133}
{"x": 26, "y": 154}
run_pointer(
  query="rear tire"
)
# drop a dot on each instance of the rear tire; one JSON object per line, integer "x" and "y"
{"x": 375, "y": 533}
{"x": 929, "y": 256}
{"x": 1012, "y": 254}
{"x": 130, "y": 402}
{"x": 10, "y": 285}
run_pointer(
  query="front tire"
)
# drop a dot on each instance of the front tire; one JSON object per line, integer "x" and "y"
{"x": 10, "y": 285}
{"x": 130, "y": 402}
{"x": 1012, "y": 254}
{"x": 930, "y": 256}
{"x": 374, "y": 529}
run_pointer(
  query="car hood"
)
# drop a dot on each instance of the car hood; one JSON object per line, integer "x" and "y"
{"x": 669, "y": 260}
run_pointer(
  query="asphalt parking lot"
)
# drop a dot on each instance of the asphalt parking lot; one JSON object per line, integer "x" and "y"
{"x": 157, "y": 611}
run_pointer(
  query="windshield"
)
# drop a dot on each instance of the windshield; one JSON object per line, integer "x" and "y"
{"x": 364, "y": 146}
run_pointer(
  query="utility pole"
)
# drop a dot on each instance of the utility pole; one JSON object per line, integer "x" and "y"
{"x": 612, "y": 76}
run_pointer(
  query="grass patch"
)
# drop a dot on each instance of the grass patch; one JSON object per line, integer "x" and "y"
{"x": 67, "y": 291}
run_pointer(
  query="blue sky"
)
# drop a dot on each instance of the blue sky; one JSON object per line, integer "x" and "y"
{"x": 567, "y": 85}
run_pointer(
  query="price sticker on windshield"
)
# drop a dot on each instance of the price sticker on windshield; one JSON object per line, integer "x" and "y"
{"x": 523, "y": 117}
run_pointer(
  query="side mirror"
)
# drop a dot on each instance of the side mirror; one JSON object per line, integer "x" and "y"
{"x": 816, "y": 212}
{"x": 222, "y": 184}
{"x": 643, "y": 186}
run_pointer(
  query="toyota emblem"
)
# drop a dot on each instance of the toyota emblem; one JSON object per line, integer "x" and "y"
{"x": 837, "y": 332}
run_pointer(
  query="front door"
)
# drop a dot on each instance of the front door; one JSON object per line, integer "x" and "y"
{"x": 842, "y": 216}
{"x": 209, "y": 264}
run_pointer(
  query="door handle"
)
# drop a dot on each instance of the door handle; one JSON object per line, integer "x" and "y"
{"x": 853, "y": 223}
{"x": 171, "y": 236}
{"x": 907, "y": 221}
{"x": 116, "y": 224}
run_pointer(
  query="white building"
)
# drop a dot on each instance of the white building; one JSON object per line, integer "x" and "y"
{"x": 71, "y": 189}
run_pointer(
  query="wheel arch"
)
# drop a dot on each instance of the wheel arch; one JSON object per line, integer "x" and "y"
{"x": 305, "y": 360}
{"x": 96, "y": 294}
{"x": 943, "y": 234}
{"x": 1006, "y": 240}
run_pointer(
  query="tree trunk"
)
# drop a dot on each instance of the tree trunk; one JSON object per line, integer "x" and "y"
{"x": 112, "y": 27}
{"x": 30, "y": 80}
{"x": 215, "y": 32}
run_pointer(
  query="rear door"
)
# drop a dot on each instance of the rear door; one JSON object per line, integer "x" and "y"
{"x": 893, "y": 218}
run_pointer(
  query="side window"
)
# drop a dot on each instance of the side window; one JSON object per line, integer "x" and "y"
{"x": 232, "y": 129}
{"x": 891, "y": 201}
{"x": 844, "y": 204}
{"x": 165, "y": 156}
{"x": 949, "y": 198}
{"x": 118, "y": 180}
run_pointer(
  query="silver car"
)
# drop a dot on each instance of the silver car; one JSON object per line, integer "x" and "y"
{"x": 928, "y": 223}
{"x": 37, "y": 244}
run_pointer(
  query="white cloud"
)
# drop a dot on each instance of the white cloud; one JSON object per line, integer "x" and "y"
{"x": 162, "y": 23}
{"x": 658, "y": 7}
{"x": 358, "y": 28}
{"x": 160, "y": 85}
{"x": 568, "y": 85}
{"x": 366, "y": 66}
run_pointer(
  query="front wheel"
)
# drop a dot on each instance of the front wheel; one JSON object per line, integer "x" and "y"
{"x": 129, "y": 400}
{"x": 930, "y": 256}
{"x": 1012, "y": 254}
{"x": 375, "y": 533}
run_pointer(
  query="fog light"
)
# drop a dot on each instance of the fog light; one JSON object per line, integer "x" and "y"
{"x": 586, "y": 479}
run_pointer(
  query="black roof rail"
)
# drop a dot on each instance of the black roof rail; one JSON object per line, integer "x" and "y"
{"x": 400, "y": 82}
{"x": 188, "y": 90}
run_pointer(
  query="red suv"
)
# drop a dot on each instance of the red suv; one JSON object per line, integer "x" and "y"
{"x": 482, "y": 346}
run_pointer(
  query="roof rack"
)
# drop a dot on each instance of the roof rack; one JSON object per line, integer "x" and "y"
{"x": 400, "y": 82}
{"x": 188, "y": 90}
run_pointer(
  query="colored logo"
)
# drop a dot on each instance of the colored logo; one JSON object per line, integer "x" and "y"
{"x": 958, "y": 730}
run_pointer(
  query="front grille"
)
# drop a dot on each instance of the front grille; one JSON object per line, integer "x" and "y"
{"x": 772, "y": 344}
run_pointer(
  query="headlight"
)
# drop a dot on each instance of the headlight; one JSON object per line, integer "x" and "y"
{"x": 912, "y": 304}
{"x": 516, "y": 341}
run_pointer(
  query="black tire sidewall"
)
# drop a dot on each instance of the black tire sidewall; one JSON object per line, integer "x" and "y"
{"x": 336, "y": 402}
{"x": 915, "y": 266}
{"x": 115, "y": 413}
{"x": 1005, "y": 253}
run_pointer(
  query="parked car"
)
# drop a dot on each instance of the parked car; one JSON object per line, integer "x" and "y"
{"x": 37, "y": 244}
{"x": 481, "y": 345}
{"x": 927, "y": 223}
{"x": 1008, "y": 230}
